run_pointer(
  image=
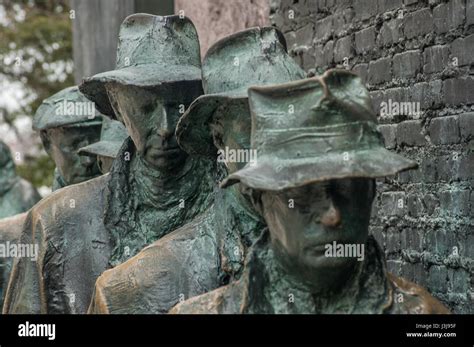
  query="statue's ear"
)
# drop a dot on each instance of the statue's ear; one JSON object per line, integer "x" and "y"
{"x": 45, "y": 140}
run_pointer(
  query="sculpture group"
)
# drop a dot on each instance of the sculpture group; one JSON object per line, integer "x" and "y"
{"x": 218, "y": 186}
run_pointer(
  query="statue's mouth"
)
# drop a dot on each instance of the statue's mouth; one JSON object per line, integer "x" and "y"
{"x": 165, "y": 152}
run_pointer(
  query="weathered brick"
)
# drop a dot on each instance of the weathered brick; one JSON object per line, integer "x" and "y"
{"x": 389, "y": 5}
{"x": 411, "y": 240}
{"x": 428, "y": 169}
{"x": 466, "y": 167}
{"x": 455, "y": 202}
{"x": 304, "y": 35}
{"x": 470, "y": 12}
{"x": 415, "y": 205}
{"x": 409, "y": 133}
{"x": 362, "y": 71}
{"x": 389, "y": 33}
{"x": 364, "y": 9}
{"x": 458, "y": 91}
{"x": 466, "y": 126}
{"x": 325, "y": 56}
{"x": 343, "y": 49}
{"x": 440, "y": 241}
{"x": 407, "y": 64}
{"x": 445, "y": 168}
{"x": 428, "y": 94}
{"x": 435, "y": 59}
{"x": 437, "y": 279}
{"x": 431, "y": 203}
{"x": 380, "y": 71}
{"x": 365, "y": 40}
{"x": 393, "y": 204}
{"x": 393, "y": 242}
{"x": 324, "y": 29}
{"x": 418, "y": 23}
{"x": 458, "y": 280}
{"x": 444, "y": 130}
{"x": 377, "y": 97}
{"x": 389, "y": 132}
{"x": 449, "y": 15}
{"x": 462, "y": 49}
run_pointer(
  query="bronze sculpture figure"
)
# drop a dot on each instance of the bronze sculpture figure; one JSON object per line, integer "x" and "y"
{"x": 16, "y": 194}
{"x": 318, "y": 154}
{"x": 152, "y": 189}
{"x": 112, "y": 137}
{"x": 209, "y": 251}
{"x": 66, "y": 122}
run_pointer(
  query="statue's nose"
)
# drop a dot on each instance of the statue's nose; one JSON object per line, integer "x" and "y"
{"x": 165, "y": 128}
{"x": 331, "y": 217}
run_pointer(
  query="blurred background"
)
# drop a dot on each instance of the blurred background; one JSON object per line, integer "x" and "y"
{"x": 48, "y": 45}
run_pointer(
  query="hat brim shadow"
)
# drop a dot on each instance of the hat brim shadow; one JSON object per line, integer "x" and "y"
{"x": 193, "y": 129}
{"x": 103, "y": 148}
{"x": 277, "y": 175}
{"x": 152, "y": 75}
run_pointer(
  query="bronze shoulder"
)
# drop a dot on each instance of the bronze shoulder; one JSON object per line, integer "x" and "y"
{"x": 410, "y": 298}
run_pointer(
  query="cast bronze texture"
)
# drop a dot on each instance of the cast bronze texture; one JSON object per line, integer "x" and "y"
{"x": 66, "y": 122}
{"x": 153, "y": 187}
{"x": 112, "y": 137}
{"x": 309, "y": 200}
{"x": 209, "y": 251}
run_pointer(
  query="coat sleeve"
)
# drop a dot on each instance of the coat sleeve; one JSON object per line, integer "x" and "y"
{"x": 23, "y": 295}
{"x": 98, "y": 303}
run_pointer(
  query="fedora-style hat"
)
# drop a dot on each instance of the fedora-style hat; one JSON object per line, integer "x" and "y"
{"x": 255, "y": 56}
{"x": 112, "y": 136}
{"x": 65, "y": 108}
{"x": 314, "y": 130}
{"x": 153, "y": 51}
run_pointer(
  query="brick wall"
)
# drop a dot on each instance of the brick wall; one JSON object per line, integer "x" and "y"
{"x": 408, "y": 51}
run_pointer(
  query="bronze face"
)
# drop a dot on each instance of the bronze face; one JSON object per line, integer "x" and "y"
{"x": 62, "y": 143}
{"x": 150, "y": 119}
{"x": 231, "y": 130}
{"x": 302, "y": 221}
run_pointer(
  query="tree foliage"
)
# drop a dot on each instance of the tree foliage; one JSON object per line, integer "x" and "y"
{"x": 36, "y": 54}
{"x": 36, "y": 49}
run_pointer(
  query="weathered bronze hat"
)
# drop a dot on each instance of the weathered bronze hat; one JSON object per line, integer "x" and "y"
{"x": 65, "y": 108}
{"x": 315, "y": 130}
{"x": 112, "y": 136}
{"x": 255, "y": 56}
{"x": 153, "y": 51}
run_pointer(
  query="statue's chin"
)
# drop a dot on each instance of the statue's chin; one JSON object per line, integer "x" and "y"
{"x": 166, "y": 163}
{"x": 320, "y": 273}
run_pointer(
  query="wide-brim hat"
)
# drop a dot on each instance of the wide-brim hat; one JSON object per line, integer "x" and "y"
{"x": 153, "y": 51}
{"x": 112, "y": 138}
{"x": 252, "y": 57}
{"x": 329, "y": 133}
{"x": 68, "y": 107}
